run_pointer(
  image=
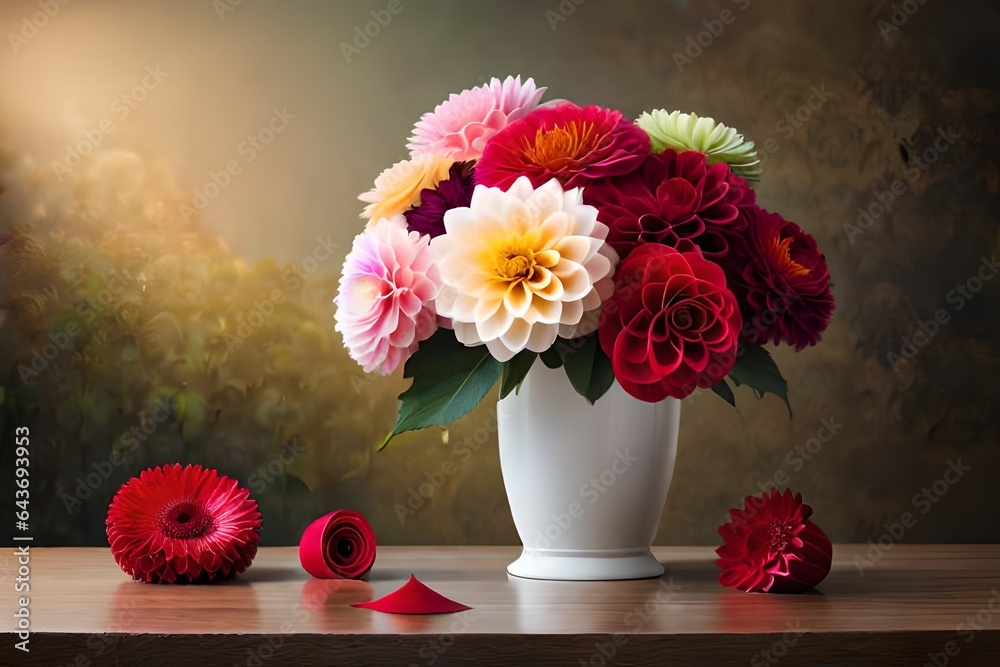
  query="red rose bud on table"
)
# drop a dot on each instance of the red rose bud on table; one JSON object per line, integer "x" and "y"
{"x": 339, "y": 545}
{"x": 772, "y": 546}
{"x": 183, "y": 525}
{"x": 413, "y": 597}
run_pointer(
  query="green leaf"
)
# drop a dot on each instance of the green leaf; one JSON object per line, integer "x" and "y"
{"x": 449, "y": 380}
{"x": 551, "y": 358}
{"x": 512, "y": 372}
{"x": 601, "y": 378}
{"x": 723, "y": 389}
{"x": 587, "y": 367}
{"x": 756, "y": 369}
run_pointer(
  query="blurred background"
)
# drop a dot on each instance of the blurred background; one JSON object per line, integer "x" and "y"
{"x": 178, "y": 187}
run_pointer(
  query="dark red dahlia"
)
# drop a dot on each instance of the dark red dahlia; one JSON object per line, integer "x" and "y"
{"x": 771, "y": 545}
{"x": 781, "y": 281}
{"x": 671, "y": 326}
{"x": 183, "y": 525}
{"x": 673, "y": 197}
{"x": 572, "y": 144}
{"x": 453, "y": 192}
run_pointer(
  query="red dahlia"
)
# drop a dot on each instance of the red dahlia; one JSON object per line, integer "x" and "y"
{"x": 183, "y": 525}
{"x": 771, "y": 545}
{"x": 782, "y": 281}
{"x": 673, "y": 197}
{"x": 571, "y": 144}
{"x": 671, "y": 325}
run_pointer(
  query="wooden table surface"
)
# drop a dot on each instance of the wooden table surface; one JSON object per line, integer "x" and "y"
{"x": 910, "y": 607}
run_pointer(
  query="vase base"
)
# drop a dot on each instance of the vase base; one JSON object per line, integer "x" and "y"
{"x": 585, "y": 566}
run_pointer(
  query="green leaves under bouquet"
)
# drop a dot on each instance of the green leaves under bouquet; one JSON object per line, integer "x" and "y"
{"x": 449, "y": 380}
{"x": 756, "y": 369}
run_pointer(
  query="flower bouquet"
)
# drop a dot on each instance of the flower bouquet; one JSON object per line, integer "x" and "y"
{"x": 619, "y": 251}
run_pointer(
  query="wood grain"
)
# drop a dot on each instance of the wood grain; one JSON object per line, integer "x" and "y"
{"x": 85, "y": 611}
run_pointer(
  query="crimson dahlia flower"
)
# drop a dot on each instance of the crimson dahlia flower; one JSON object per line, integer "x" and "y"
{"x": 671, "y": 326}
{"x": 782, "y": 282}
{"x": 571, "y": 144}
{"x": 772, "y": 546}
{"x": 673, "y": 197}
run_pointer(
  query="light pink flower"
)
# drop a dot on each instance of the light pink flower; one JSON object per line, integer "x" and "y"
{"x": 385, "y": 305}
{"x": 459, "y": 127}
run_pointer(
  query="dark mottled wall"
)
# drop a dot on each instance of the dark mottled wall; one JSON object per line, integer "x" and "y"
{"x": 878, "y": 124}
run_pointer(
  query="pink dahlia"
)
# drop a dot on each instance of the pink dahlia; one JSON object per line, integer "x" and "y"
{"x": 183, "y": 525}
{"x": 385, "y": 305}
{"x": 672, "y": 197}
{"x": 782, "y": 281}
{"x": 571, "y": 144}
{"x": 460, "y": 126}
{"x": 772, "y": 546}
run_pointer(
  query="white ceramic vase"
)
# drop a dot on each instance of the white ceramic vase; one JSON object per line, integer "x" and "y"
{"x": 586, "y": 483}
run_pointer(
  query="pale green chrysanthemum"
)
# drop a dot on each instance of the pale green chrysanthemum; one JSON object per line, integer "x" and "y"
{"x": 689, "y": 132}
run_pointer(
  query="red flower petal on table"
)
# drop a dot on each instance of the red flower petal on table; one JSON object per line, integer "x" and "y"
{"x": 571, "y": 144}
{"x": 771, "y": 545}
{"x": 673, "y": 197}
{"x": 339, "y": 545}
{"x": 413, "y": 597}
{"x": 183, "y": 525}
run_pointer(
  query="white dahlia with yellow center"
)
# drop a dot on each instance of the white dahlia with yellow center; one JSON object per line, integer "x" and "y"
{"x": 521, "y": 267}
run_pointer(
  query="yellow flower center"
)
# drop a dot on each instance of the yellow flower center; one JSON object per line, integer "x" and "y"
{"x": 783, "y": 252}
{"x": 516, "y": 262}
{"x": 556, "y": 147}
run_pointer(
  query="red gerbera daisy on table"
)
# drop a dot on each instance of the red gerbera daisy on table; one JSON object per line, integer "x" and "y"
{"x": 771, "y": 545}
{"x": 183, "y": 525}
{"x": 571, "y": 144}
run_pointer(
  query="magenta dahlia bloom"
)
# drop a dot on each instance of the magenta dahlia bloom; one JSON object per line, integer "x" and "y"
{"x": 571, "y": 144}
{"x": 772, "y": 546}
{"x": 453, "y": 192}
{"x": 460, "y": 126}
{"x": 782, "y": 282}
{"x": 673, "y": 197}
{"x": 183, "y": 525}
